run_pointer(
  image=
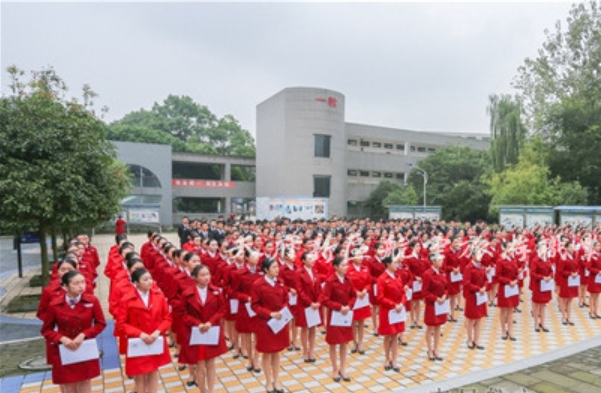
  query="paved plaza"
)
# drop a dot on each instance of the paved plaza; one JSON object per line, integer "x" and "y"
{"x": 567, "y": 359}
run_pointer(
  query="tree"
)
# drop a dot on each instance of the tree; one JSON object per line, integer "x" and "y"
{"x": 561, "y": 91}
{"x": 456, "y": 177}
{"x": 405, "y": 196}
{"x": 531, "y": 183}
{"x": 376, "y": 198}
{"x": 186, "y": 126}
{"x": 57, "y": 170}
{"x": 507, "y": 130}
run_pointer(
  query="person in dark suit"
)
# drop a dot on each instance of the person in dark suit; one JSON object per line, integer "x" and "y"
{"x": 183, "y": 231}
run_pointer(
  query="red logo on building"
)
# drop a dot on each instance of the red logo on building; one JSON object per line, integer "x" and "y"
{"x": 331, "y": 101}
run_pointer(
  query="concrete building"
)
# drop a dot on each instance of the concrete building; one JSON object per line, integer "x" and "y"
{"x": 305, "y": 149}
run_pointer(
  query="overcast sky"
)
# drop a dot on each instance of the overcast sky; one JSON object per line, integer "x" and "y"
{"x": 427, "y": 67}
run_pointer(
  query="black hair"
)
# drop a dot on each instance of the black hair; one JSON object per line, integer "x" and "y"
{"x": 137, "y": 274}
{"x": 124, "y": 246}
{"x": 66, "y": 278}
{"x": 67, "y": 261}
{"x": 197, "y": 270}
{"x": 131, "y": 262}
{"x": 189, "y": 256}
{"x": 387, "y": 260}
{"x": 267, "y": 262}
{"x": 120, "y": 237}
{"x": 337, "y": 261}
{"x": 130, "y": 255}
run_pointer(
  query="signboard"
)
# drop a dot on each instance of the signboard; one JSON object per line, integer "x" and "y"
{"x": 429, "y": 213}
{"x": 538, "y": 219}
{"x": 576, "y": 220}
{"x": 143, "y": 216}
{"x": 202, "y": 183}
{"x": 512, "y": 220}
{"x": 400, "y": 215}
{"x": 304, "y": 208}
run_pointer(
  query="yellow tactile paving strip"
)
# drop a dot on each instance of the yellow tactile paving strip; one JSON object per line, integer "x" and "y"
{"x": 366, "y": 370}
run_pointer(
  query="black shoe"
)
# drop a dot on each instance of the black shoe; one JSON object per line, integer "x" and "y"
{"x": 354, "y": 350}
{"x": 544, "y": 329}
{"x": 250, "y": 368}
{"x": 336, "y": 379}
{"x": 504, "y": 337}
{"x": 471, "y": 345}
{"x": 257, "y": 371}
{"x": 420, "y": 326}
{"x": 181, "y": 367}
{"x": 513, "y": 338}
{"x": 431, "y": 358}
{"x": 361, "y": 352}
{"x": 480, "y": 347}
{"x": 438, "y": 358}
{"x": 312, "y": 360}
{"x": 396, "y": 369}
{"x": 191, "y": 383}
{"x": 345, "y": 379}
{"x": 564, "y": 322}
{"x": 388, "y": 367}
{"x": 570, "y": 323}
{"x": 591, "y": 316}
{"x": 278, "y": 390}
{"x": 307, "y": 360}
{"x": 537, "y": 330}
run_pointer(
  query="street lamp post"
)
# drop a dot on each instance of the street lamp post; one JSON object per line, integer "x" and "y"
{"x": 425, "y": 174}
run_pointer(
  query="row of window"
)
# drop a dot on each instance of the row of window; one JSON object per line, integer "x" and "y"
{"x": 389, "y": 146}
{"x": 376, "y": 174}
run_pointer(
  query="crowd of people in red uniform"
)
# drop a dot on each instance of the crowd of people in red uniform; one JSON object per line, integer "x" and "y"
{"x": 257, "y": 290}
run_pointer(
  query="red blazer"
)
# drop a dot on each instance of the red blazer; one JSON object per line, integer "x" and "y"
{"x": 212, "y": 261}
{"x": 267, "y": 299}
{"x": 336, "y": 295}
{"x": 435, "y": 285}
{"x": 308, "y": 290}
{"x": 289, "y": 277}
{"x": 391, "y": 291}
{"x": 195, "y": 313}
{"x": 134, "y": 318}
{"x": 52, "y": 291}
{"x": 361, "y": 279}
{"x": 62, "y": 321}
{"x": 242, "y": 281}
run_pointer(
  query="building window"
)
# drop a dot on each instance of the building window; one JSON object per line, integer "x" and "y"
{"x": 376, "y": 144}
{"x": 388, "y": 175}
{"x": 143, "y": 177}
{"x": 388, "y": 146}
{"x": 400, "y": 176}
{"x": 421, "y": 149}
{"x": 412, "y": 148}
{"x": 351, "y": 172}
{"x": 376, "y": 174}
{"x": 352, "y": 142}
{"x": 400, "y": 146}
{"x": 322, "y": 145}
{"x": 431, "y": 150}
{"x": 364, "y": 143}
{"x": 321, "y": 186}
{"x": 364, "y": 173}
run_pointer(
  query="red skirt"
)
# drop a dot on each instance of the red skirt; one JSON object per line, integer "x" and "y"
{"x": 208, "y": 352}
{"x": 593, "y": 287}
{"x": 505, "y": 302}
{"x": 362, "y": 313}
{"x": 539, "y": 297}
{"x": 472, "y": 310}
{"x": 566, "y": 291}
{"x": 385, "y": 328}
{"x": 337, "y": 334}
{"x": 454, "y": 287}
{"x": 147, "y": 364}
{"x": 270, "y": 342}
{"x": 301, "y": 320}
{"x": 244, "y": 323}
{"x": 430, "y": 317}
{"x": 77, "y": 372}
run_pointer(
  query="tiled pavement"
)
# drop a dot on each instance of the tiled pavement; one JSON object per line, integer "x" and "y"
{"x": 417, "y": 372}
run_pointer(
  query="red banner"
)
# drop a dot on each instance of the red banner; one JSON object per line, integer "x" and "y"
{"x": 202, "y": 183}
